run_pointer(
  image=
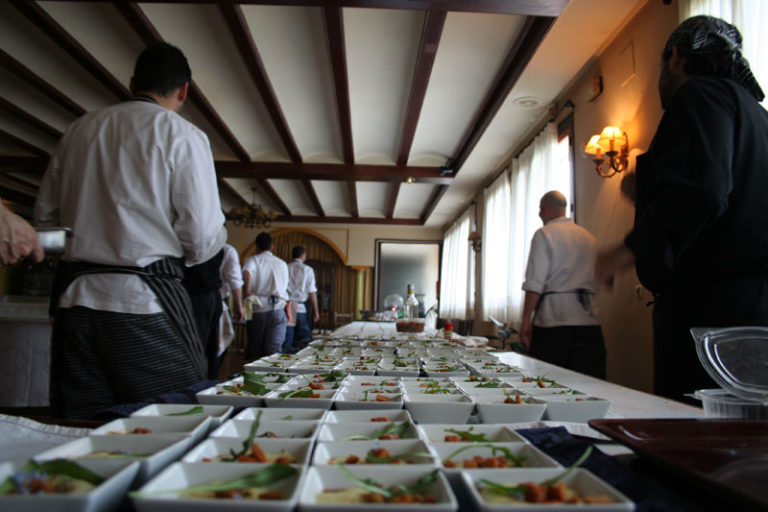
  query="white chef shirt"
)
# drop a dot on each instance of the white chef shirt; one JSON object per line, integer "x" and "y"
{"x": 269, "y": 278}
{"x": 231, "y": 273}
{"x": 302, "y": 283}
{"x": 136, "y": 183}
{"x": 562, "y": 259}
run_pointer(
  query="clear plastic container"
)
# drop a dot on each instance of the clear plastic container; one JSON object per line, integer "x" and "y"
{"x": 737, "y": 359}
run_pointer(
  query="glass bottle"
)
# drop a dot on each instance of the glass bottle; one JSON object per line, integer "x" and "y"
{"x": 411, "y": 306}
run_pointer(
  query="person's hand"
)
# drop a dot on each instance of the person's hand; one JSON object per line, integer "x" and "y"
{"x": 18, "y": 239}
{"x": 316, "y": 317}
{"x": 526, "y": 332}
{"x": 611, "y": 262}
{"x": 237, "y": 314}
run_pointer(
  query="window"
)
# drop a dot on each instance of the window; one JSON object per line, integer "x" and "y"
{"x": 457, "y": 272}
{"x": 511, "y": 218}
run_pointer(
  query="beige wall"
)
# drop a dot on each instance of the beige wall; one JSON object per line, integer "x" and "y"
{"x": 629, "y": 100}
{"x": 357, "y": 242}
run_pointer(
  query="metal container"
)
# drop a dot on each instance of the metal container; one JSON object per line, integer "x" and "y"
{"x": 53, "y": 240}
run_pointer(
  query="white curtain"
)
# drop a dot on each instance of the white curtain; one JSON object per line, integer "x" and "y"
{"x": 512, "y": 216}
{"x": 456, "y": 271}
{"x": 496, "y": 233}
{"x": 750, "y": 17}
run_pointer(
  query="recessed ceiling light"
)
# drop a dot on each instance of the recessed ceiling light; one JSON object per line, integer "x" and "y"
{"x": 410, "y": 179}
{"x": 527, "y": 102}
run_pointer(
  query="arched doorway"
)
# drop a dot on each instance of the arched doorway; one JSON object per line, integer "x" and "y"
{"x": 335, "y": 280}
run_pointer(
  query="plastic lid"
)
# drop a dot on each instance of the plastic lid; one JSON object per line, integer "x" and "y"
{"x": 737, "y": 358}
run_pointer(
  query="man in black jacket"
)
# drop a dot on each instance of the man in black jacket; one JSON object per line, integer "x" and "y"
{"x": 700, "y": 239}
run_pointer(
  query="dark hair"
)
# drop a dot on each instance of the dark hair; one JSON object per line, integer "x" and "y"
{"x": 161, "y": 68}
{"x": 264, "y": 241}
{"x": 712, "y": 47}
{"x": 297, "y": 251}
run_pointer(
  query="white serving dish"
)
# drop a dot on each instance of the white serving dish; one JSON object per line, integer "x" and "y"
{"x": 433, "y": 371}
{"x": 454, "y": 408}
{"x": 193, "y": 426}
{"x": 218, "y": 413}
{"x": 345, "y": 431}
{"x": 364, "y": 416}
{"x": 366, "y": 381}
{"x": 160, "y": 450}
{"x": 324, "y": 401}
{"x": 388, "y": 370}
{"x": 299, "y": 449}
{"x": 492, "y": 409}
{"x": 216, "y": 395}
{"x": 580, "y": 480}
{"x": 326, "y": 451}
{"x": 281, "y": 413}
{"x": 119, "y": 473}
{"x": 182, "y": 475}
{"x": 574, "y": 408}
{"x": 351, "y": 401}
{"x": 240, "y": 429}
{"x": 533, "y": 456}
{"x": 320, "y": 478}
{"x": 493, "y": 433}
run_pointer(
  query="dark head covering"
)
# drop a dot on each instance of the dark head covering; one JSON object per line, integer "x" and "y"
{"x": 712, "y": 46}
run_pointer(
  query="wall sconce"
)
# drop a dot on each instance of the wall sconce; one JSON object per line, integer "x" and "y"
{"x": 475, "y": 238}
{"x": 612, "y": 142}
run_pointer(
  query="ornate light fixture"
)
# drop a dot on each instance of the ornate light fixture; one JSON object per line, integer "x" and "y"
{"x": 614, "y": 143}
{"x": 252, "y": 215}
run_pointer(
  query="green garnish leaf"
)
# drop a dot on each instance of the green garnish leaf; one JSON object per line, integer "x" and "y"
{"x": 423, "y": 482}
{"x": 254, "y": 383}
{"x": 468, "y": 435}
{"x": 251, "y": 434}
{"x": 69, "y": 468}
{"x": 367, "y": 484}
{"x": 289, "y": 417}
{"x": 198, "y": 409}
{"x": 370, "y": 457}
{"x": 391, "y": 429}
{"x": 261, "y": 478}
{"x": 515, "y": 490}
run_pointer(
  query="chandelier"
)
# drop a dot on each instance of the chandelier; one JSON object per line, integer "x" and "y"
{"x": 252, "y": 215}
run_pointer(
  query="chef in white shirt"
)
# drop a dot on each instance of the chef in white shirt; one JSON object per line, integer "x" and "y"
{"x": 136, "y": 183}
{"x": 302, "y": 287}
{"x": 266, "y": 290}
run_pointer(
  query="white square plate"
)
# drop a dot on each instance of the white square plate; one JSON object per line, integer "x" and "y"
{"x": 153, "y": 452}
{"x": 119, "y": 473}
{"x": 492, "y": 408}
{"x": 533, "y": 457}
{"x": 491, "y": 433}
{"x": 366, "y": 416}
{"x": 182, "y": 475}
{"x": 218, "y": 413}
{"x": 320, "y": 478}
{"x": 301, "y": 429}
{"x": 297, "y": 449}
{"x": 455, "y": 408}
{"x": 193, "y": 426}
{"x": 347, "y": 431}
{"x": 574, "y": 408}
{"x": 329, "y": 453}
{"x": 281, "y": 413}
{"x": 580, "y": 480}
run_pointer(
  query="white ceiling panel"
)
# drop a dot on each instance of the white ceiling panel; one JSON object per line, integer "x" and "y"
{"x": 381, "y": 50}
{"x": 294, "y": 196}
{"x": 372, "y": 198}
{"x": 334, "y": 197}
{"x": 411, "y": 200}
{"x": 292, "y": 44}
{"x": 19, "y": 93}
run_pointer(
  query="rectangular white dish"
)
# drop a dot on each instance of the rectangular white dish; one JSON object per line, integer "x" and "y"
{"x": 281, "y": 413}
{"x": 364, "y": 416}
{"x": 298, "y": 450}
{"x": 302, "y": 429}
{"x": 529, "y": 455}
{"x": 320, "y": 478}
{"x": 453, "y": 408}
{"x": 193, "y": 426}
{"x": 489, "y": 433}
{"x": 574, "y": 408}
{"x": 218, "y": 413}
{"x": 329, "y": 453}
{"x": 364, "y": 431}
{"x": 493, "y": 408}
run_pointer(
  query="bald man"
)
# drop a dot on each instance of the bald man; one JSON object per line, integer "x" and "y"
{"x": 560, "y": 325}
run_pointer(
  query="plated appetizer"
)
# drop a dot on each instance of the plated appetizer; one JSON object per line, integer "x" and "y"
{"x": 58, "y": 476}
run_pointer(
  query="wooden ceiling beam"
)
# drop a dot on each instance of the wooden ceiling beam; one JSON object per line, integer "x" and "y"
{"x": 230, "y": 190}
{"x": 42, "y": 86}
{"x": 335, "y": 172}
{"x": 307, "y": 219}
{"x": 149, "y": 34}
{"x": 392, "y": 200}
{"x": 310, "y": 190}
{"x": 39, "y": 162}
{"x": 27, "y": 118}
{"x": 233, "y": 15}
{"x": 352, "y": 191}
{"x": 520, "y": 7}
{"x": 532, "y": 34}
{"x": 61, "y": 37}
{"x": 334, "y": 25}
{"x": 431, "y": 203}
{"x": 430, "y": 39}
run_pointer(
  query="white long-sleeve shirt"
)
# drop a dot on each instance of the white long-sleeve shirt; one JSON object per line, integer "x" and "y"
{"x": 231, "y": 273}
{"x": 301, "y": 284}
{"x": 562, "y": 259}
{"x": 136, "y": 183}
